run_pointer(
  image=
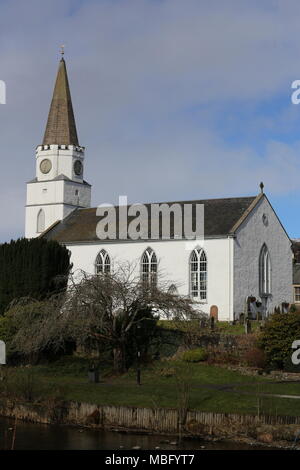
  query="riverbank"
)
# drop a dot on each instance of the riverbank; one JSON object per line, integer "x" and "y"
{"x": 177, "y": 399}
{"x": 267, "y": 431}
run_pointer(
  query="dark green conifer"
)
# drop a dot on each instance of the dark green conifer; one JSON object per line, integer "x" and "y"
{"x": 36, "y": 268}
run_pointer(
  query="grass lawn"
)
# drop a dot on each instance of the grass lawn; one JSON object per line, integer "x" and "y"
{"x": 282, "y": 388}
{"x": 226, "y": 328}
{"x": 211, "y": 388}
{"x": 222, "y": 327}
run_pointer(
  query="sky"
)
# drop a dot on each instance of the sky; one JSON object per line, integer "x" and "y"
{"x": 173, "y": 99}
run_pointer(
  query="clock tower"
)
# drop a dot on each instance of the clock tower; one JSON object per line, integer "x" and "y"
{"x": 59, "y": 187}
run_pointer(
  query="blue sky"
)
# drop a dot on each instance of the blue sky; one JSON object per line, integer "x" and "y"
{"x": 173, "y": 99}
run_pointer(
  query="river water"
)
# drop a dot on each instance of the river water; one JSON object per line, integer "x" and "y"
{"x": 31, "y": 436}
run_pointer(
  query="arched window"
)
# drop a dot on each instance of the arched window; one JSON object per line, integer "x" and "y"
{"x": 198, "y": 274}
{"x": 102, "y": 263}
{"x": 149, "y": 266}
{"x": 41, "y": 221}
{"x": 264, "y": 271}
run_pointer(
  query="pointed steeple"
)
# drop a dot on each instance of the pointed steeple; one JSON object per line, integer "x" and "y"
{"x": 61, "y": 127}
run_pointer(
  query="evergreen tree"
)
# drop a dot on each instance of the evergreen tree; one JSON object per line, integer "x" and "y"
{"x": 32, "y": 268}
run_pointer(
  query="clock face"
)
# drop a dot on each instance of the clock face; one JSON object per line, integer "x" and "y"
{"x": 78, "y": 167}
{"x": 45, "y": 166}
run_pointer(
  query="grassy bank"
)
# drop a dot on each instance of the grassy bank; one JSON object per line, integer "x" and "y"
{"x": 210, "y": 388}
{"x": 221, "y": 327}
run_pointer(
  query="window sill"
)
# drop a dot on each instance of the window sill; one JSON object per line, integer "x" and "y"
{"x": 199, "y": 301}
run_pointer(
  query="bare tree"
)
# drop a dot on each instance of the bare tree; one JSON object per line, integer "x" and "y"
{"x": 104, "y": 309}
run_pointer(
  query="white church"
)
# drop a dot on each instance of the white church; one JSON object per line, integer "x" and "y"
{"x": 245, "y": 251}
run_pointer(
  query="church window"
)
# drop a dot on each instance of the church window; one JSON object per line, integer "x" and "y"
{"x": 102, "y": 264}
{"x": 198, "y": 274}
{"x": 264, "y": 271}
{"x": 149, "y": 267}
{"x": 41, "y": 221}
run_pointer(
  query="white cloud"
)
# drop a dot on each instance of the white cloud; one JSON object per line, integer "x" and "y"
{"x": 193, "y": 166}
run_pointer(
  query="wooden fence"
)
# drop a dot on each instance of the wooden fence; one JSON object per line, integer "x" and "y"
{"x": 159, "y": 420}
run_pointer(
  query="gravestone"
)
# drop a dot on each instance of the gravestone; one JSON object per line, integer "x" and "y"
{"x": 247, "y": 327}
{"x": 285, "y": 307}
{"x": 252, "y": 308}
{"x": 214, "y": 312}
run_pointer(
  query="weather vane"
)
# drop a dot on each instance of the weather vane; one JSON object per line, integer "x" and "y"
{"x": 62, "y": 50}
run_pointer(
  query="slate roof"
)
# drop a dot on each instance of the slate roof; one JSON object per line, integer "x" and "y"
{"x": 61, "y": 127}
{"x": 221, "y": 216}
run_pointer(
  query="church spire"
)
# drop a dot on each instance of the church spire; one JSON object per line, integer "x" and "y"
{"x": 61, "y": 127}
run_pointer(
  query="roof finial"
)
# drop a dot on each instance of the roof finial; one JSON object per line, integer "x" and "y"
{"x": 262, "y": 187}
{"x": 62, "y": 50}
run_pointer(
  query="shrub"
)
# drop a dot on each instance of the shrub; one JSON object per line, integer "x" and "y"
{"x": 255, "y": 357}
{"x": 217, "y": 356}
{"x": 288, "y": 366}
{"x": 195, "y": 355}
{"x": 277, "y": 336}
{"x": 23, "y": 329}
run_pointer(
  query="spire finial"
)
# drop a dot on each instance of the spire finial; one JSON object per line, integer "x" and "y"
{"x": 62, "y": 50}
{"x": 262, "y": 187}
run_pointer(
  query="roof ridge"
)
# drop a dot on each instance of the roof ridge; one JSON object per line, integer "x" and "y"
{"x": 247, "y": 212}
{"x": 176, "y": 202}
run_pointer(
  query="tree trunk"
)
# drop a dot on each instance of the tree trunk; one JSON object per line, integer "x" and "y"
{"x": 119, "y": 359}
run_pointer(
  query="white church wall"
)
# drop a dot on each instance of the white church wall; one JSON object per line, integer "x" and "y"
{"x": 52, "y": 214}
{"x": 50, "y": 198}
{"x": 173, "y": 257}
{"x": 247, "y": 245}
{"x": 57, "y": 199}
{"x": 47, "y": 192}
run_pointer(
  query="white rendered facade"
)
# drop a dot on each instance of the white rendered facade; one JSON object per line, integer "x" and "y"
{"x": 173, "y": 264}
